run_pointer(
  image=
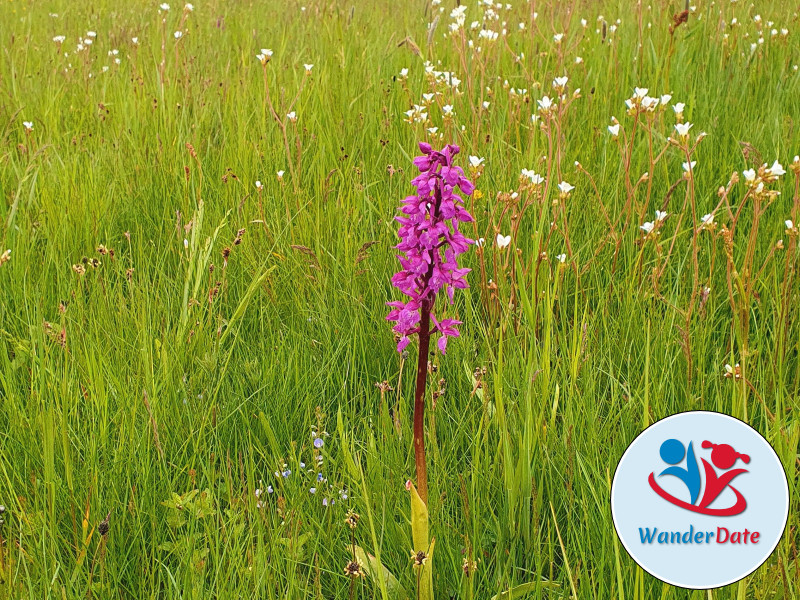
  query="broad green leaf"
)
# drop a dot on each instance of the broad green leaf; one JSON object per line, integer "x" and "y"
{"x": 419, "y": 521}
{"x": 421, "y": 541}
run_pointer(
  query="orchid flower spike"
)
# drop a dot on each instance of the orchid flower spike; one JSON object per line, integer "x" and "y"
{"x": 430, "y": 243}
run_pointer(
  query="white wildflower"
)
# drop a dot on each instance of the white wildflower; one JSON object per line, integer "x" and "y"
{"x": 776, "y": 170}
{"x": 683, "y": 129}
{"x": 565, "y": 188}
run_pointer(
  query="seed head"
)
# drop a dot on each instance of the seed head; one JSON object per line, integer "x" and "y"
{"x": 469, "y": 566}
{"x": 351, "y": 519}
{"x": 384, "y": 386}
{"x": 419, "y": 558}
{"x": 353, "y": 569}
{"x": 103, "y": 527}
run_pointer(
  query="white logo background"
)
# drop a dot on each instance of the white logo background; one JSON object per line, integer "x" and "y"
{"x": 635, "y": 505}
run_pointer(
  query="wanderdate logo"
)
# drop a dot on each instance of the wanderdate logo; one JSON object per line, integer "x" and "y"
{"x": 699, "y": 500}
{"x": 723, "y": 457}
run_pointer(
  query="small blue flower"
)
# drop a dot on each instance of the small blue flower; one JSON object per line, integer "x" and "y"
{"x": 312, "y": 491}
{"x": 318, "y": 443}
{"x": 269, "y": 489}
{"x": 286, "y": 473}
{"x": 320, "y": 477}
{"x": 343, "y": 494}
{"x": 302, "y": 465}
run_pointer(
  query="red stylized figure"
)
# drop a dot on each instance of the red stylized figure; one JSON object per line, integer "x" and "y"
{"x": 724, "y": 457}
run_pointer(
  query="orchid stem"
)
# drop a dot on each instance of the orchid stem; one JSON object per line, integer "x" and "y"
{"x": 419, "y": 402}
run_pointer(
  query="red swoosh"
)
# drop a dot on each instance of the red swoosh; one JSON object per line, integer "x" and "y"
{"x": 737, "y": 508}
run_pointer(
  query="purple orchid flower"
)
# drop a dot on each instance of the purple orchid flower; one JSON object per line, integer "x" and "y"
{"x": 430, "y": 243}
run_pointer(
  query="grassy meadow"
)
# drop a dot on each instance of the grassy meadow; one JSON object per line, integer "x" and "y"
{"x": 197, "y": 380}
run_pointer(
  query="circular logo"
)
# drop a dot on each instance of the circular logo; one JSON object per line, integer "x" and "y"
{"x": 699, "y": 500}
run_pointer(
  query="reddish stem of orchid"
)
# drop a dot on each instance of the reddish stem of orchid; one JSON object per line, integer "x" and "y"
{"x": 419, "y": 401}
{"x": 422, "y": 374}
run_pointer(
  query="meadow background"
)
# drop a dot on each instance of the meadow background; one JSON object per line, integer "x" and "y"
{"x": 167, "y": 326}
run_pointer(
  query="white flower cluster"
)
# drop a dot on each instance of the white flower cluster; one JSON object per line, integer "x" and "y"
{"x": 757, "y": 179}
{"x": 640, "y": 102}
{"x": 649, "y": 227}
{"x": 531, "y": 177}
{"x": 417, "y": 114}
{"x": 445, "y": 78}
{"x": 264, "y": 55}
{"x": 459, "y": 17}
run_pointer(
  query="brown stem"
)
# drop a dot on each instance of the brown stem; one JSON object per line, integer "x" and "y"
{"x": 424, "y": 334}
{"x": 419, "y": 401}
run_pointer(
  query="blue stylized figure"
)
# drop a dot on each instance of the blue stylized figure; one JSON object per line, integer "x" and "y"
{"x": 672, "y": 452}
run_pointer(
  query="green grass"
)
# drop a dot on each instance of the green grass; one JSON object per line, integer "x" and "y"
{"x": 152, "y": 390}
